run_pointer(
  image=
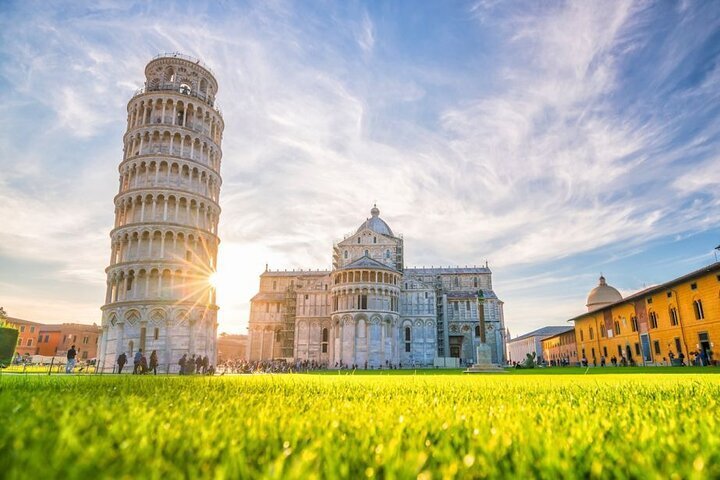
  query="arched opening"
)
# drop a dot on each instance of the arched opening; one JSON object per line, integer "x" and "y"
{"x": 324, "y": 345}
{"x": 408, "y": 343}
{"x": 170, "y": 75}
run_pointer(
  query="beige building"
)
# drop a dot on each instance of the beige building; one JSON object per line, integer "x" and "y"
{"x": 164, "y": 242}
{"x": 370, "y": 309}
{"x": 231, "y": 347}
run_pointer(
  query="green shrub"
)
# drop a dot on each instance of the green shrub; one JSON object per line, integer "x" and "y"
{"x": 8, "y": 342}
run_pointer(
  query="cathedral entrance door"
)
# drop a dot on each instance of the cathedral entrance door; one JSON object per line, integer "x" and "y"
{"x": 456, "y": 342}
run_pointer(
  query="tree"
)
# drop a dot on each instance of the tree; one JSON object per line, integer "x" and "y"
{"x": 8, "y": 339}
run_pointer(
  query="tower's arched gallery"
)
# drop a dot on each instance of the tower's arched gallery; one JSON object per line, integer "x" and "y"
{"x": 370, "y": 310}
{"x": 164, "y": 243}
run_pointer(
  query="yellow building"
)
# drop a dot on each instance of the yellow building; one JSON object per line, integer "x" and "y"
{"x": 561, "y": 348}
{"x": 653, "y": 326}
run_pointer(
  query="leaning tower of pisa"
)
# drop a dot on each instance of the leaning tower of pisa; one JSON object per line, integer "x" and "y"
{"x": 164, "y": 244}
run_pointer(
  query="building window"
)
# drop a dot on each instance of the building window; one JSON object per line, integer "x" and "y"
{"x": 605, "y": 351}
{"x": 656, "y": 345}
{"x": 699, "y": 313}
{"x": 188, "y": 255}
{"x": 47, "y": 338}
{"x": 475, "y": 282}
{"x": 85, "y": 340}
{"x": 669, "y": 294}
{"x": 358, "y": 239}
{"x": 637, "y": 349}
{"x": 583, "y": 353}
{"x": 467, "y": 305}
{"x": 678, "y": 345}
{"x": 673, "y": 316}
{"x": 156, "y": 334}
{"x": 653, "y": 320}
{"x": 617, "y": 327}
{"x": 593, "y": 353}
{"x": 84, "y": 355}
{"x": 602, "y": 330}
{"x": 29, "y": 342}
{"x": 592, "y": 333}
{"x": 40, "y": 339}
{"x": 582, "y": 337}
{"x": 693, "y": 286}
{"x": 407, "y": 339}
{"x": 633, "y": 324}
{"x": 346, "y": 254}
{"x": 367, "y": 253}
{"x": 649, "y": 300}
{"x": 363, "y": 302}
{"x": 32, "y": 329}
{"x": 620, "y": 352}
{"x": 22, "y": 328}
{"x": 477, "y": 331}
{"x": 324, "y": 345}
{"x": 306, "y": 296}
{"x": 274, "y": 284}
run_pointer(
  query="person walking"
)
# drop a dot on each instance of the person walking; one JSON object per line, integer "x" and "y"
{"x": 205, "y": 364}
{"x": 136, "y": 361}
{"x": 143, "y": 365}
{"x": 121, "y": 361}
{"x": 71, "y": 354}
{"x": 153, "y": 362}
{"x": 183, "y": 364}
{"x": 190, "y": 365}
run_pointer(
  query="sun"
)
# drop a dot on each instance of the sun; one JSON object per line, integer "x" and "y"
{"x": 213, "y": 279}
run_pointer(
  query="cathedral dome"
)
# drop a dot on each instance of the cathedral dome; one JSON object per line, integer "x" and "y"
{"x": 376, "y": 224}
{"x": 602, "y": 296}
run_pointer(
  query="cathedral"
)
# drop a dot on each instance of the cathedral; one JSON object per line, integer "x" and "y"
{"x": 371, "y": 311}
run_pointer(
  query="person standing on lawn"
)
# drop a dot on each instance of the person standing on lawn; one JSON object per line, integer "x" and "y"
{"x": 71, "y": 354}
{"x": 153, "y": 362}
{"x": 121, "y": 361}
{"x": 183, "y": 364}
{"x": 143, "y": 365}
{"x": 205, "y": 364}
{"x": 136, "y": 361}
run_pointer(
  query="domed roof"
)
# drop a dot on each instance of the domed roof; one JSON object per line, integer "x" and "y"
{"x": 602, "y": 295}
{"x": 376, "y": 224}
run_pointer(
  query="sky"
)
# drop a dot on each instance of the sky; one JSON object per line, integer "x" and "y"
{"x": 556, "y": 140}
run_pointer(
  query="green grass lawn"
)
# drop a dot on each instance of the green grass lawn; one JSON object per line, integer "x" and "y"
{"x": 533, "y": 371}
{"x": 531, "y": 425}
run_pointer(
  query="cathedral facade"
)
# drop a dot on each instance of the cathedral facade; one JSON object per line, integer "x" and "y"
{"x": 370, "y": 310}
